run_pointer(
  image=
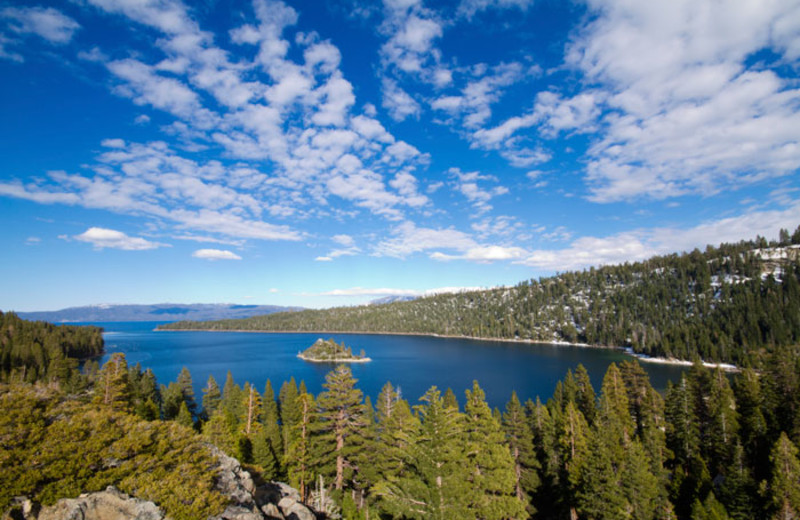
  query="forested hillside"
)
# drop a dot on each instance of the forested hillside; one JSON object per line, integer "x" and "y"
{"x": 36, "y": 350}
{"x": 725, "y": 304}
{"x": 711, "y": 448}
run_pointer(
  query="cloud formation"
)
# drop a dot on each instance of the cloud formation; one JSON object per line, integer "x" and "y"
{"x": 102, "y": 238}
{"x": 216, "y": 254}
{"x": 16, "y": 23}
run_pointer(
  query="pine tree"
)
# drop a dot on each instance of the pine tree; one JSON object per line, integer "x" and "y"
{"x": 252, "y": 418}
{"x": 450, "y": 399}
{"x": 172, "y": 398}
{"x": 396, "y": 428}
{"x": 753, "y": 424}
{"x": 272, "y": 433}
{"x": 573, "y": 443}
{"x": 340, "y": 411}
{"x": 433, "y": 487}
{"x": 709, "y": 509}
{"x": 299, "y": 457}
{"x": 221, "y": 433}
{"x": 212, "y": 397}
{"x": 738, "y": 490}
{"x": 490, "y": 465}
{"x": 723, "y": 427}
{"x": 364, "y": 445}
{"x": 113, "y": 387}
{"x": 585, "y": 397}
{"x": 520, "y": 440}
{"x": 785, "y": 483}
{"x": 184, "y": 417}
{"x": 289, "y": 411}
{"x": 187, "y": 389}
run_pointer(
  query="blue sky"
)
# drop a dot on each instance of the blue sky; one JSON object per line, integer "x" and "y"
{"x": 325, "y": 153}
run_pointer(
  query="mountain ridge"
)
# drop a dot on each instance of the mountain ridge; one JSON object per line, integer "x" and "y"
{"x": 154, "y": 312}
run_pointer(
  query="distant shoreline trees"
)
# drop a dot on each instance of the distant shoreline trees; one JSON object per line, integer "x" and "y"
{"x": 728, "y": 303}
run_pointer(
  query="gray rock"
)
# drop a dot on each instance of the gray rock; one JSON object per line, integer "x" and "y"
{"x": 298, "y": 511}
{"x": 110, "y": 504}
{"x": 272, "y": 512}
{"x": 238, "y": 513}
{"x": 271, "y": 500}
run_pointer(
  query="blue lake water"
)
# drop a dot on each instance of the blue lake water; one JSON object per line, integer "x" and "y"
{"x": 414, "y": 363}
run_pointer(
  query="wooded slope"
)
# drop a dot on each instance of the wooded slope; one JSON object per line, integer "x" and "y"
{"x": 726, "y": 304}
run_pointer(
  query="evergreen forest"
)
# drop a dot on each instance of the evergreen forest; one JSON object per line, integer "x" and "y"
{"x": 714, "y": 446}
{"x": 730, "y": 303}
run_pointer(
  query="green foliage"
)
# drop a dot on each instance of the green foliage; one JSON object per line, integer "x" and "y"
{"x": 784, "y": 488}
{"x": 113, "y": 387}
{"x": 54, "y": 448}
{"x": 329, "y": 350}
{"x": 433, "y": 485}
{"x": 490, "y": 466}
{"x": 520, "y": 442}
{"x": 212, "y": 397}
{"x": 39, "y": 351}
{"x": 340, "y": 418}
{"x": 299, "y": 457}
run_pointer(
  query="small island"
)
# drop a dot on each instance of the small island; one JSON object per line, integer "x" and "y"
{"x": 328, "y": 351}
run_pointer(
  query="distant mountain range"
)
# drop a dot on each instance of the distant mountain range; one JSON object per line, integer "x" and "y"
{"x": 155, "y": 312}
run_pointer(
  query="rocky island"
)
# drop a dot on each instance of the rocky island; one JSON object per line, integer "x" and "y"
{"x": 328, "y": 351}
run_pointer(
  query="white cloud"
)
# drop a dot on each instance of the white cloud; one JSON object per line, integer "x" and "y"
{"x": 467, "y": 184}
{"x": 689, "y": 114}
{"x": 641, "y": 244}
{"x": 504, "y": 226}
{"x": 168, "y": 16}
{"x": 209, "y": 240}
{"x": 113, "y": 143}
{"x": 409, "y": 239}
{"x": 32, "y": 241}
{"x": 151, "y": 180}
{"x": 102, "y": 238}
{"x": 216, "y": 254}
{"x": 323, "y": 259}
{"x": 411, "y": 44}
{"x": 468, "y": 8}
{"x": 484, "y": 254}
{"x": 145, "y": 86}
{"x": 344, "y": 240}
{"x": 472, "y": 107}
{"x": 291, "y": 109}
{"x": 48, "y": 23}
{"x": 398, "y": 102}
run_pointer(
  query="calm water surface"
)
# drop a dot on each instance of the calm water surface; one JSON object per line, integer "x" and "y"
{"x": 414, "y": 363}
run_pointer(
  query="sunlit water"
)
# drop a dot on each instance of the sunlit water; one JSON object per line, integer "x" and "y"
{"x": 414, "y": 363}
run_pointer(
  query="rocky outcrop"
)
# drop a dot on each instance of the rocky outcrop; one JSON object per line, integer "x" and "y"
{"x": 248, "y": 501}
{"x": 272, "y": 500}
{"x": 110, "y": 504}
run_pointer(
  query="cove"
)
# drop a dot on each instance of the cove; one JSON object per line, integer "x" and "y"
{"x": 414, "y": 363}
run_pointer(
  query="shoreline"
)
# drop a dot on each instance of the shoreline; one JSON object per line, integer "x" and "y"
{"x": 644, "y": 358}
{"x": 352, "y": 360}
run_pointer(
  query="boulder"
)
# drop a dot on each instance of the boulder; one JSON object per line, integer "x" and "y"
{"x": 272, "y": 512}
{"x": 110, "y": 504}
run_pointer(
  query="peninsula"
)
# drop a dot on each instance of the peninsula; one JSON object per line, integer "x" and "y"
{"x": 328, "y": 351}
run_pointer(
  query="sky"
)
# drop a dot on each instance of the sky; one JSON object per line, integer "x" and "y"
{"x": 329, "y": 152}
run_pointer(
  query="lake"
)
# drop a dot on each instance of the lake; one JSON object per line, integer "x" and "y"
{"x": 414, "y": 363}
